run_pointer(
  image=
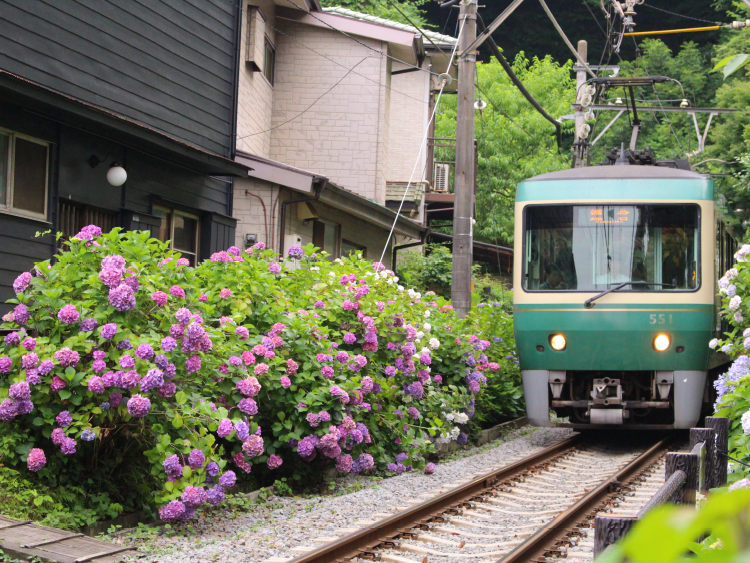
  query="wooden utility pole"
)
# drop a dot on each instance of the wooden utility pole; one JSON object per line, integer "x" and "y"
{"x": 580, "y": 155}
{"x": 463, "y": 214}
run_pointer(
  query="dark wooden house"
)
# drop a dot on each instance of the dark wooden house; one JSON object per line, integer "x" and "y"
{"x": 149, "y": 85}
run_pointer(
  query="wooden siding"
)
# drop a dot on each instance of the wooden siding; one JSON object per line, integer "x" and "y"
{"x": 19, "y": 249}
{"x": 165, "y": 63}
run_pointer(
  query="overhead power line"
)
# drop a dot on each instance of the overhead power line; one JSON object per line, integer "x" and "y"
{"x": 565, "y": 39}
{"x": 416, "y": 27}
{"x": 678, "y": 15}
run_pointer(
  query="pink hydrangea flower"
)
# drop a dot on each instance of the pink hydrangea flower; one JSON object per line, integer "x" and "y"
{"x": 260, "y": 369}
{"x": 291, "y": 367}
{"x": 248, "y": 358}
{"x": 36, "y": 459}
{"x": 177, "y": 291}
{"x": 225, "y": 293}
{"x": 285, "y": 381}
{"x": 160, "y": 298}
{"x": 274, "y": 268}
{"x": 68, "y": 314}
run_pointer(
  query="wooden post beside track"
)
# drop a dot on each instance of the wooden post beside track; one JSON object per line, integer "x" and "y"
{"x": 718, "y": 471}
{"x": 689, "y": 464}
{"x": 708, "y": 437}
{"x": 609, "y": 529}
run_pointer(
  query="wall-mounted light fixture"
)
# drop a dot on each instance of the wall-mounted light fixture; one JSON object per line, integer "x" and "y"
{"x": 116, "y": 174}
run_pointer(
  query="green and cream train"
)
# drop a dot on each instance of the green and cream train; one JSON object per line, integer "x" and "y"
{"x": 614, "y": 304}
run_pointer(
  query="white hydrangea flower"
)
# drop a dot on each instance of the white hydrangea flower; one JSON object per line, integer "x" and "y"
{"x": 741, "y": 255}
{"x": 427, "y": 327}
{"x": 738, "y": 318}
{"x": 425, "y": 350}
{"x": 713, "y": 344}
{"x": 427, "y": 314}
{"x": 746, "y": 333}
{"x": 450, "y": 416}
{"x": 723, "y": 283}
{"x": 745, "y": 420}
{"x": 742, "y": 484}
{"x": 418, "y": 295}
{"x": 411, "y": 293}
{"x": 462, "y": 418}
{"x": 723, "y": 291}
{"x": 434, "y": 343}
{"x": 407, "y": 398}
{"x": 420, "y": 335}
{"x": 339, "y": 261}
{"x": 314, "y": 269}
{"x": 732, "y": 273}
{"x": 332, "y": 274}
{"x": 735, "y": 302}
{"x": 395, "y": 278}
{"x": 400, "y": 288}
{"x": 389, "y": 281}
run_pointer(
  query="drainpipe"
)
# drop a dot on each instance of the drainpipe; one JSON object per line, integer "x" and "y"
{"x": 320, "y": 184}
{"x": 410, "y": 245}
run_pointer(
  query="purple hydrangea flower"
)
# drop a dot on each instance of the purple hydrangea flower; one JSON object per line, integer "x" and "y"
{"x": 29, "y": 344}
{"x": 215, "y": 495}
{"x": 144, "y": 352}
{"x": 88, "y": 435}
{"x": 64, "y": 419}
{"x": 124, "y": 345}
{"x": 21, "y": 283}
{"x": 20, "y": 391}
{"x": 88, "y": 324}
{"x": 122, "y": 297}
{"x": 153, "y": 379}
{"x": 193, "y": 364}
{"x": 68, "y": 314}
{"x": 242, "y": 430}
{"x": 160, "y": 298}
{"x": 173, "y": 512}
{"x": 21, "y": 314}
{"x": 173, "y": 467}
{"x": 36, "y": 459}
{"x": 109, "y": 330}
{"x": 295, "y": 251}
{"x": 177, "y": 291}
{"x": 253, "y": 446}
{"x": 115, "y": 399}
{"x": 95, "y": 385}
{"x": 225, "y": 428}
{"x": 274, "y": 462}
{"x": 138, "y": 406}
{"x": 193, "y": 497}
{"x": 168, "y": 344}
{"x": 68, "y": 446}
{"x": 196, "y": 459}
{"x": 242, "y": 333}
{"x": 429, "y": 469}
{"x": 12, "y": 339}
{"x": 248, "y": 406}
{"x": 228, "y": 479}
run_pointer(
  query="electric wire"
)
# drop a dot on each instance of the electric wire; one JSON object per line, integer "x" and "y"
{"x": 676, "y": 14}
{"x": 717, "y": 160}
{"x": 565, "y": 38}
{"x": 308, "y": 107}
{"x": 415, "y": 26}
{"x": 424, "y": 140}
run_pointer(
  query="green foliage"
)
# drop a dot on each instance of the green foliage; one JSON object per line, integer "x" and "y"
{"x": 431, "y": 271}
{"x": 514, "y": 141}
{"x": 385, "y": 9}
{"x": 669, "y": 534}
{"x": 733, "y": 387}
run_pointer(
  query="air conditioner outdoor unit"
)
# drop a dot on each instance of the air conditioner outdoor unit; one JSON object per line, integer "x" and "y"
{"x": 442, "y": 177}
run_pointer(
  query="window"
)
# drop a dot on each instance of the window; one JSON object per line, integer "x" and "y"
{"x": 348, "y": 248}
{"x": 181, "y": 229}
{"x": 24, "y": 162}
{"x": 72, "y": 217}
{"x": 269, "y": 61}
{"x": 326, "y": 237}
{"x": 596, "y": 247}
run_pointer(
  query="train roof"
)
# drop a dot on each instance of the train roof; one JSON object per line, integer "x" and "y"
{"x": 620, "y": 183}
{"x": 633, "y": 172}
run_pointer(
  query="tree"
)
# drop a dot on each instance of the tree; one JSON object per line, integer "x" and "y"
{"x": 514, "y": 141}
{"x": 385, "y": 9}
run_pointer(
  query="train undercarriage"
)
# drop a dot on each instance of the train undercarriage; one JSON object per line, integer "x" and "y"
{"x": 649, "y": 399}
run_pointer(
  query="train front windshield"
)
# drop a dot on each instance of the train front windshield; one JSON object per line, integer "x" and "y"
{"x": 596, "y": 247}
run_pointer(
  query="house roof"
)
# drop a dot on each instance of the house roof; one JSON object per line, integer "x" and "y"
{"x": 436, "y": 37}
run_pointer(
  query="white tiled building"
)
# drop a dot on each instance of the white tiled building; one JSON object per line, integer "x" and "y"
{"x": 331, "y": 108}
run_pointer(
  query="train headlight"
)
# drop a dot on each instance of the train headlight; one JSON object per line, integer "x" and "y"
{"x": 558, "y": 342}
{"x": 661, "y": 342}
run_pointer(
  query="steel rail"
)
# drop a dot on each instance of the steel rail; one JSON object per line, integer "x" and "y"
{"x": 544, "y": 540}
{"x": 383, "y": 531}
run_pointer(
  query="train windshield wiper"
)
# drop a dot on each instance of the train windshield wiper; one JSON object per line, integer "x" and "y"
{"x": 589, "y": 303}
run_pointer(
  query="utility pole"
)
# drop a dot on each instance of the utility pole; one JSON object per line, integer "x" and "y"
{"x": 463, "y": 214}
{"x": 580, "y": 148}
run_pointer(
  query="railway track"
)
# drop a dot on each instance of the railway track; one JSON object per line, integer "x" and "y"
{"x": 539, "y": 508}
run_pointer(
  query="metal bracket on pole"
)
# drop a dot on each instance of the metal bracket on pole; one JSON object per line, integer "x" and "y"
{"x": 492, "y": 27}
{"x": 702, "y": 138}
{"x": 610, "y": 124}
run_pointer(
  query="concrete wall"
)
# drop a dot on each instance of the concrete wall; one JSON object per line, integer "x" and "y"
{"x": 343, "y": 135}
{"x": 409, "y": 115}
{"x": 250, "y": 213}
{"x": 255, "y": 104}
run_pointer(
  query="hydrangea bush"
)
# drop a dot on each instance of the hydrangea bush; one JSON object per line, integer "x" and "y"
{"x": 181, "y": 380}
{"x": 733, "y": 387}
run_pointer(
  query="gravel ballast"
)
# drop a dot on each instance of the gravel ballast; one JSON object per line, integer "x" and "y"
{"x": 285, "y": 527}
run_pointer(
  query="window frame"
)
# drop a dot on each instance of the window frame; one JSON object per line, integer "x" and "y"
{"x": 6, "y": 206}
{"x": 268, "y": 46}
{"x": 336, "y": 235}
{"x": 171, "y": 211}
{"x": 698, "y": 243}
